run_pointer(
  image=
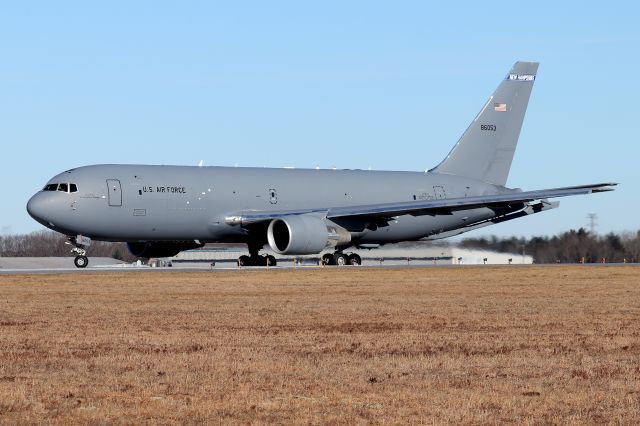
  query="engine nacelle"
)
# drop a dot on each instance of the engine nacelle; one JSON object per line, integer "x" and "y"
{"x": 304, "y": 234}
{"x": 161, "y": 248}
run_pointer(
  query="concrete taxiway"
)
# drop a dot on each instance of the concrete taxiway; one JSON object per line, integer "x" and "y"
{"x": 37, "y": 266}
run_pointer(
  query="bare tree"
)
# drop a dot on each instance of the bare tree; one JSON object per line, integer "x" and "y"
{"x": 568, "y": 247}
{"x": 49, "y": 243}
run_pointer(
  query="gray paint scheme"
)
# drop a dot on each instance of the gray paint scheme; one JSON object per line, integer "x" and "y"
{"x": 487, "y": 155}
{"x": 221, "y": 204}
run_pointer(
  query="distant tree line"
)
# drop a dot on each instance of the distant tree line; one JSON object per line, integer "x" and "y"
{"x": 569, "y": 247}
{"x": 49, "y": 243}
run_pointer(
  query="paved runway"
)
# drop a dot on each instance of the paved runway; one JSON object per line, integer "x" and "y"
{"x": 223, "y": 268}
{"x": 64, "y": 265}
{"x": 230, "y": 267}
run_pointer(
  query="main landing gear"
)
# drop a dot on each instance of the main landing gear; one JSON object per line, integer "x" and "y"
{"x": 266, "y": 260}
{"x": 81, "y": 244}
{"x": 254, "y": 259}
{"x": 340, "y": 259}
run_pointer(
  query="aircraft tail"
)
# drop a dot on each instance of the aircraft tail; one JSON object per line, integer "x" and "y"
{"x": 485, "y": 150}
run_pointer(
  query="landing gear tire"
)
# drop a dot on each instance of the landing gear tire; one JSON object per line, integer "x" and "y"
{"x": 340, "y": 259}
{"x": 327, "y": 259}
{"x": 80, "y": 245}
{"x": 267, "y": 260}
{"x": 81, "y": 261}
{"x": 355, "y": 260}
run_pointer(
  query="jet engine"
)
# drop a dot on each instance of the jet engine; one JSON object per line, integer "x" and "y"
{"x": 161, "y": 248}
{"x": 304, "y": 234}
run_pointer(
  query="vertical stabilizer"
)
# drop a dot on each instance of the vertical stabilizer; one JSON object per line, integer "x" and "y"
{"x": 485, "y": 150}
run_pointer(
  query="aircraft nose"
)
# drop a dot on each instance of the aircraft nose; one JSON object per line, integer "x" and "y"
{"x": 37, "y": 208}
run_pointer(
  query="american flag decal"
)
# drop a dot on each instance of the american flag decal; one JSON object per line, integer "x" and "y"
{"x": 500, "y": 107}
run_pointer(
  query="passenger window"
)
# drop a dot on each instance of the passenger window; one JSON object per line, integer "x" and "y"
{"x": 63, "y": 187}
{"x": 73, "y": 187}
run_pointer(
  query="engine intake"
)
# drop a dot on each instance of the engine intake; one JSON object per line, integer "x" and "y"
{"x": 304, "y": 234}
{"x": 160, "y": 249}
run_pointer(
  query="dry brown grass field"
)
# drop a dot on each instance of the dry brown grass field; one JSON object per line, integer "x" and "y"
{"x": 522, "y": 345}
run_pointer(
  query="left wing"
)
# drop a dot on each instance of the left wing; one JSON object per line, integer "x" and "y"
{"x": 425, "y": 207}
{"x": 446, "y": 206}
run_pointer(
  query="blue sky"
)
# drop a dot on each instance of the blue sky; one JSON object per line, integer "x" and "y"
{"x": 386, "y": 85}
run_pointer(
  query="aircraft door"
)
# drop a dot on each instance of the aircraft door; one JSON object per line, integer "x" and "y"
{"x": 115, "y": 192}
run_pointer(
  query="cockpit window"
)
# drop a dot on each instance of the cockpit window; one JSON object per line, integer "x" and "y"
{"x": 62, "y": 187}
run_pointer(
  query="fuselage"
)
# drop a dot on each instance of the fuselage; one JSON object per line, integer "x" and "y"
{"x": 170, "y": 203}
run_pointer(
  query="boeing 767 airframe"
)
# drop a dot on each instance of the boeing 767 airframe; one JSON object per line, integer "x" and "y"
{"x": 162, "y": 210}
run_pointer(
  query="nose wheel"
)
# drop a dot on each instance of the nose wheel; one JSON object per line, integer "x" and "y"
{"x": 80, "y": 245}
{"x": 81, "y": 261}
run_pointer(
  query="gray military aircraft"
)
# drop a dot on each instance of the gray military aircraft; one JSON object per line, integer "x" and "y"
{"x": 162, "y": 210}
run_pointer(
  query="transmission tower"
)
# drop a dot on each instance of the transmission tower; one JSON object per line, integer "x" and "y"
{"x": 592, "y": 218}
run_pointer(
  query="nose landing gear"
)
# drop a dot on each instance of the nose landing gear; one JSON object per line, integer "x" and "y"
{"x": 81, "y": 244}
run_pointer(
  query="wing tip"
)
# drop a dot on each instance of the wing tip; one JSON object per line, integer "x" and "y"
{"x": 604, "y": 187}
